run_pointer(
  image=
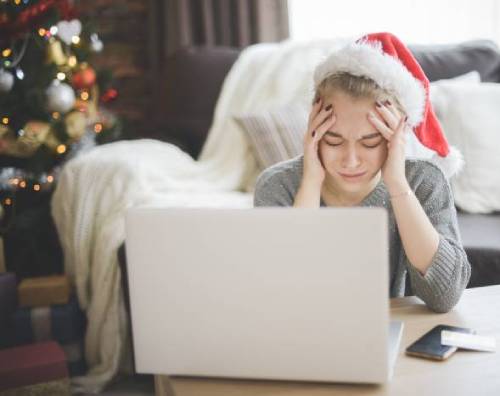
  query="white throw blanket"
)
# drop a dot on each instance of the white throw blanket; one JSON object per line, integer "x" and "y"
{"x": 96, "y": 188}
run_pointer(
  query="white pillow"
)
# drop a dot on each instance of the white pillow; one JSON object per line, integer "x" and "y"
{"x": 471, "y": 121}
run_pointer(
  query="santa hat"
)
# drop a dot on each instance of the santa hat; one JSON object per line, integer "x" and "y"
{"x": 383, "y": 58}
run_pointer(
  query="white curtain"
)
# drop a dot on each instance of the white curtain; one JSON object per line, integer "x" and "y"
{"x": 414, "y": 21}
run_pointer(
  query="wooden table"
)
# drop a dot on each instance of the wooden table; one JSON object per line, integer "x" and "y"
{"x": 464, "y": 373}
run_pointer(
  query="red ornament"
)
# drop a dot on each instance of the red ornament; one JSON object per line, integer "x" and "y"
{"x": 109, "y": 95}
{"x": 84, "y": 78}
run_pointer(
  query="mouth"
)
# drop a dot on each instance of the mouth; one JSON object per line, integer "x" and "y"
{"x": 352, "y": 176}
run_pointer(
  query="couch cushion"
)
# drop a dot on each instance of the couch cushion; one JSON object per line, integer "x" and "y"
{"x": 451, "y": 60}
{"x": 275, "y": 134}
{"x": 481, "y": 240}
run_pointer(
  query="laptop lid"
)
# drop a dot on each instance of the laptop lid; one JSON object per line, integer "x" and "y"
{"x": 267, "y": 293}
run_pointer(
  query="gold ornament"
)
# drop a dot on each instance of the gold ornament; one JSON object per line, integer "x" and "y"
{"x": 55, "y": 53}
{"x": 35, "y": 134}
{"x": 75, "y": 123}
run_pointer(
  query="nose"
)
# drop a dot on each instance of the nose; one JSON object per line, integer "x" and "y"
{"x": 350, "y": 158}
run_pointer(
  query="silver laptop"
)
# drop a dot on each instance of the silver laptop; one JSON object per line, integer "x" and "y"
{"x": 267, "y": 293}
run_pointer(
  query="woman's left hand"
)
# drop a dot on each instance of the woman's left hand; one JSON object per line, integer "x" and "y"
{"x": 392, "y": 125}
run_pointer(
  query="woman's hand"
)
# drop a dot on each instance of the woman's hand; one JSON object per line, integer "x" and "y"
{"x": 320, "y": 121}
{"x": 392, "y": 125}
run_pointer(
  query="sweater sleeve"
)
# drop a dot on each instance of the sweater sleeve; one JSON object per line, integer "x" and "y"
{"x": 271, "y": 190}
{"x": 447, "y": 276}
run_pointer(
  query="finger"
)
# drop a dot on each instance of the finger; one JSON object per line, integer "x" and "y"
{"x": 387, "y": 115}
{"x": 401, "y": 126}
{"x": 316, "y": 107}
{"x": 393, "y": 109}
{"x": 380, "y": 125}
{"x": 321, "y": 117}
{"x": 325, "y": 127}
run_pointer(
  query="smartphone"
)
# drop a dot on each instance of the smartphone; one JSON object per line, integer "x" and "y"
{"x": 429, "y": 345}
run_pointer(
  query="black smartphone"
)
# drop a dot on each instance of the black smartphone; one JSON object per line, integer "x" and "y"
{"x": 429, "y": 345}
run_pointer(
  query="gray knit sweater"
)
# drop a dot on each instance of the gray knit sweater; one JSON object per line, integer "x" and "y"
{"x": 449, "y": 273}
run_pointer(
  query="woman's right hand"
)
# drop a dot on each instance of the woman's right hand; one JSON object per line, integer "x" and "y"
{"x": 320, "y": 121}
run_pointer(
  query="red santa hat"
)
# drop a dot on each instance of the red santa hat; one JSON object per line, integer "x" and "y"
{"x": 383, "y": 58}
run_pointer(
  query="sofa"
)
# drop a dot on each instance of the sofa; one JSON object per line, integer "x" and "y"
{"x": 195, "y": 78}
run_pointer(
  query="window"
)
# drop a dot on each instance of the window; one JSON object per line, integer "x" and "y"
{"x": 414, "y": 21}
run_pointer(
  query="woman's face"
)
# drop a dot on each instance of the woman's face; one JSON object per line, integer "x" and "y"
{"x": 352, "y": 151}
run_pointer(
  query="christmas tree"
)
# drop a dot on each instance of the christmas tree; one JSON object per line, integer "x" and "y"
{"x": 51, "y": 98}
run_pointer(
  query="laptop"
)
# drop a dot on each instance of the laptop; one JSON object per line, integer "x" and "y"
{"x": 266, "y": 293}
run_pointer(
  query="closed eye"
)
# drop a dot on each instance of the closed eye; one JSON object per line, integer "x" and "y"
{"x": 372, "y": 142}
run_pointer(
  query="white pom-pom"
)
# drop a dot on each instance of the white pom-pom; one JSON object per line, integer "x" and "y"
{"x": 452, "y": 164}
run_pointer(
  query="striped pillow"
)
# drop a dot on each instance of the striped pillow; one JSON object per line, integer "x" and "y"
{"x": 276, "y": 134}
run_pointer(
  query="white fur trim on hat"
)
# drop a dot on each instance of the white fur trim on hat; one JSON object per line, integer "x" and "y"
{"x": 367, "y": 59}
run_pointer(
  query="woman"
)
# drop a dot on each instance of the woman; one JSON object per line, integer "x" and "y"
{"x": 367, "y": 96}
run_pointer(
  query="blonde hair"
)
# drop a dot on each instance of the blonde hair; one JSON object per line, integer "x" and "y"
{"x": 357, "y": 87}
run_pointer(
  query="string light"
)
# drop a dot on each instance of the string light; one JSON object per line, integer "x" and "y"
{"x": 98, "y": 128}
{"x": 8, "y": 201}
{"x": 22, "y": 184}
{"x": 6, "y": 52}
{"x": 50, "y": 178}
{"x": 36, "y": 187}
{"x": 84, "y": 95}
{"x": 75, "y": 40}
{"x": 42, "y": 32}
{"x": 61, "y": 149}
{"x": 17, "y": 2}
{"x": 15, "y": 181}
{"x": 56, "y": 115}
{"x": 5, "y": 120}
{"x": 54, "y": 30}
{"x": 72, "y": 61}
{"x": 19, "y": 74}
{"x": 61, "y": 76}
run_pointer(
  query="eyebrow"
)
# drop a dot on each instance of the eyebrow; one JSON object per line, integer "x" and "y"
{"x": 336, "y": 134}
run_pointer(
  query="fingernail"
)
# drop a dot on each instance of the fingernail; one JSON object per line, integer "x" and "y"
{"x": 314, "y": 133}
{"x": 378, "y": 104}
{"x": 406, "y": 118}
{"x": 387, "y": 102}
{"x": 327, "y": 108}
{"x": 317, "y": 100}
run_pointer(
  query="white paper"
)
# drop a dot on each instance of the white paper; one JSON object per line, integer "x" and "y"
{"x": 468, "y": 341}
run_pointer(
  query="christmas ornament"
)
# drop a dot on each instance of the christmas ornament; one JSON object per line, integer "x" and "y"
{"x": 35, "y": 133}
{"x": 60, "y": 97}
{"x": 66, "y": 30}
{"x": 55, "y": 53}
{"x": 109, "y": 95}
{"x": 6, "y": 81}
{"x": 84, "y": 78}
{"x": 75, "y": 123}
{"x": 96, "y": 45}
